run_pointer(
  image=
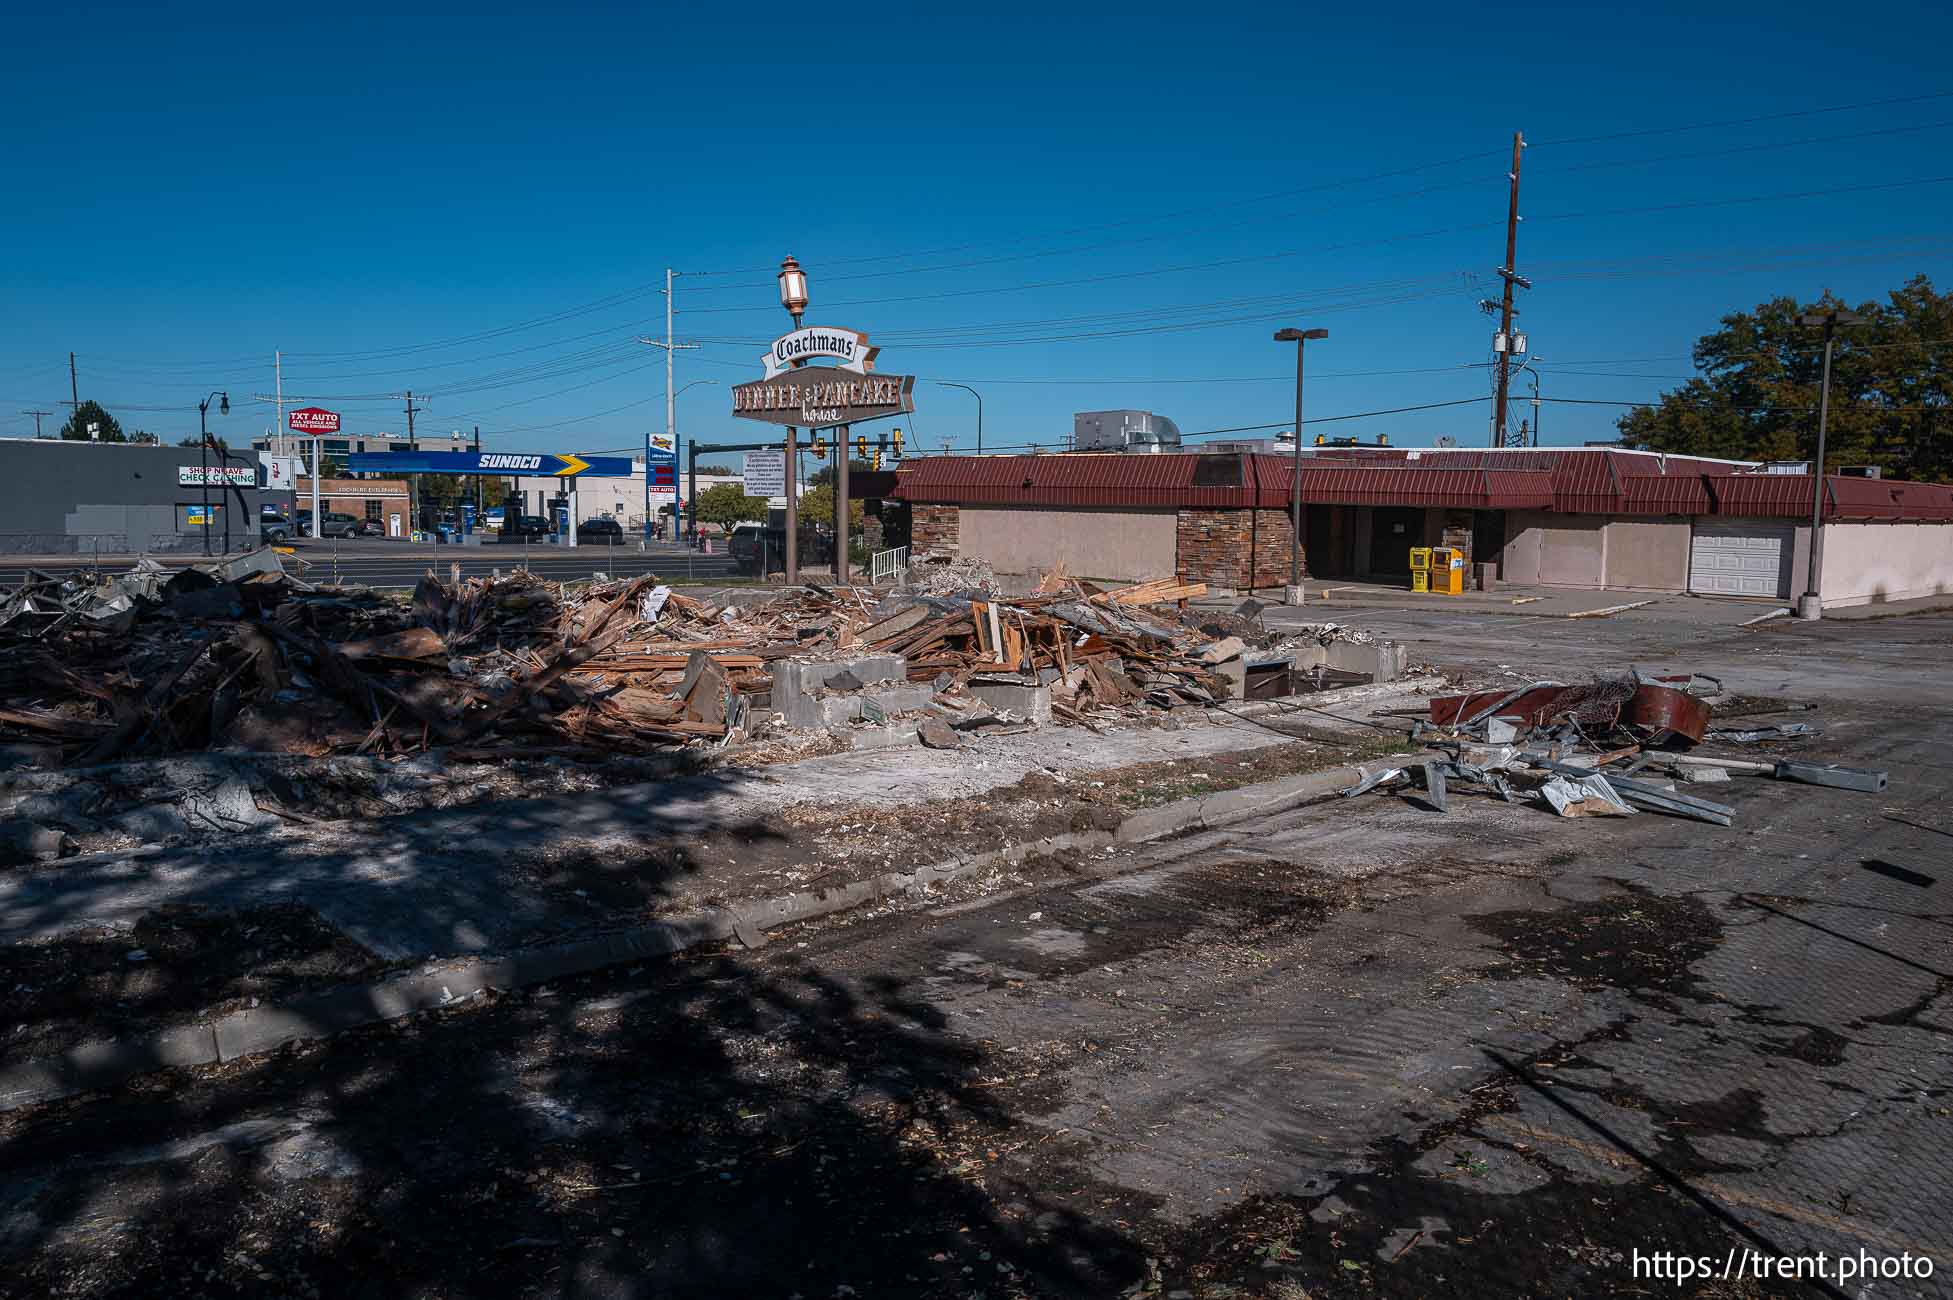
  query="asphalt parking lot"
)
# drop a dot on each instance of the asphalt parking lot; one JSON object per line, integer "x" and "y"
{"x": 1354, "y": 1048}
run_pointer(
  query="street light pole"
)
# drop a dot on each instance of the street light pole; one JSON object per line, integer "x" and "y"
{"x": 943, "y": 383}
{"x": 203, "y": 450}
{"x": 1293, "y": 595}
{"x": 1812, "y": 605}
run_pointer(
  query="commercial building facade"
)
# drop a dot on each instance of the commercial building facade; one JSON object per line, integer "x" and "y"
{"x": 384, "y": 501}
{"x": 1575, "y": 517}
{"x": 116, "y": 498}
{"x": 279, "y": 443}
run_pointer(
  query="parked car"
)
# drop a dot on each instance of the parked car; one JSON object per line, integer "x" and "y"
{"x": 754, "y": 547}
{"x": 600, "y": 532}
{"x": 746, "y": 544}
{"x": 336, "y": 525}
{"x": 275, "y": 530}
{"x": 532, "y": 526}
{"x": 370, "y": 528}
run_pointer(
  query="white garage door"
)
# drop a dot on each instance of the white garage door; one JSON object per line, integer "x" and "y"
{"x": 1740, "y": 557}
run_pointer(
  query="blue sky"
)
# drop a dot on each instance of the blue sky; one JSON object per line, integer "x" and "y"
{"x": 1091, "y": 208}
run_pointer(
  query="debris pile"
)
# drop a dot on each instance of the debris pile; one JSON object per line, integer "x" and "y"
{"x": 242, "y": 655}
{"x": 1605, "y": 748}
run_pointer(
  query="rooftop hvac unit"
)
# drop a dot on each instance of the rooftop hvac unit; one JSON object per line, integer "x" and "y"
{"x": 1123, "y": 431}
{"x": 1861, "y": 471}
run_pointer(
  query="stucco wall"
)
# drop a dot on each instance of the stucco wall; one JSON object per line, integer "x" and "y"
{"x": 1871, "y": 563}
{"x": 80, "y": 497}
{"x": 1519, "y": 561}
{"x": 1648, "y": 554}
{"x": 1131, "y": 545}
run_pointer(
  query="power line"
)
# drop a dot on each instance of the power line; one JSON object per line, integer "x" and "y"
{"x": 1745, "y": 121}
{"x": 1475, "y": 156}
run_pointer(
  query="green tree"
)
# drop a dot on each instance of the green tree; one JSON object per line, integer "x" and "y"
{"x": 816, "y": 506}
{"x": 727, "y": 503}
{"x": 1757, "y": 395}
{"x": 91, "y": 412}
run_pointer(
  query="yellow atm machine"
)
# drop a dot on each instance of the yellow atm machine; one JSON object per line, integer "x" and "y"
{"x": 1447, "y": 574}
{"x": 1420, "y": 560}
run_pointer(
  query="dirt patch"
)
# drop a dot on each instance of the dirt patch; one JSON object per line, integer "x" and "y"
{"x": 1639, "y": 942}
{"x": 177, "y": 965}
{"x": 820, "y": 846}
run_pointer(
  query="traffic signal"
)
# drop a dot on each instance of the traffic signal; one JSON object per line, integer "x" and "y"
{"x": 878, "y": 458}
{"x": 861, "y": 445}
{"x": 898, "y": 444}
{"x": 819, "y": 448}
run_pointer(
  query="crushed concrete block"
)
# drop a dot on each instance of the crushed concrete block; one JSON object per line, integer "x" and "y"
{"x": 24, "y": 841}
{"x": 1021, "y": 699}
{"x": 794, "y": 676}
{"x": 795, "y": 684}
{"x": 1383, "y": 661}
{"x": 890, "y": 735}
{"x": 934, "y": 733}
{"x": 230, "y": 807}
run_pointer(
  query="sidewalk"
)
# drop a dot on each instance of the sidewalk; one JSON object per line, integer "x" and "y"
{"x": 1322, "y": 599}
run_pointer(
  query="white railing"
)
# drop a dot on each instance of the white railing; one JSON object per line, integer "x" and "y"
{"x": 886, "y": 565}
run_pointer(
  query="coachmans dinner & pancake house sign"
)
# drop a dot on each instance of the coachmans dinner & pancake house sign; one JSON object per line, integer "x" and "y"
{"x": 816, "y": 397}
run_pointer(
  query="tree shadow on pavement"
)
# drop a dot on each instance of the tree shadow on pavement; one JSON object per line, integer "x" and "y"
{"x": 713, "y": 1126}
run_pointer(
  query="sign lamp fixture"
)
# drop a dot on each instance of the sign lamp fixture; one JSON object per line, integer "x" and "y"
{"x": 793, "y": 289}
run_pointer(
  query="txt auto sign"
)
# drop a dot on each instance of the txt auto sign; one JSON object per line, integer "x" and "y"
{"x": 313, "y": 419}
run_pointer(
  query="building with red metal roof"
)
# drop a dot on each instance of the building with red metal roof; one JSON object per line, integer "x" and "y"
{"x": 1603, "y": 518}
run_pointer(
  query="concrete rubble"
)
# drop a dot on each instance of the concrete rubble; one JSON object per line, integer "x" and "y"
{"x": 246, "y": 665}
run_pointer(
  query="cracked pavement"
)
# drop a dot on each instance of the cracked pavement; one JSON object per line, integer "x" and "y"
{"x": 1356, "y": 1048}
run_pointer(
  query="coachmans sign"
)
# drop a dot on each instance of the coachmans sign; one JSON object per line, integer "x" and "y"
{"x": 846, "y": 346}
{"x": 815, "y": 397}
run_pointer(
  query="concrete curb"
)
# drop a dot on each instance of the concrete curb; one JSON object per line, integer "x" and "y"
{"x": 448, "y": 983}
{"x": 1210, "y": 812}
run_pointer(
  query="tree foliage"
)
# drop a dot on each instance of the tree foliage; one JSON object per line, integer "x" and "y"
{"x": 816, "y": 506}
{"x": 91, "y": 412}
{"x": 727, "y": 503}
{"x": 1757, "y": 395}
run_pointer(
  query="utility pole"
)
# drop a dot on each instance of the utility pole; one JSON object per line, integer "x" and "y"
{"x": 1292, "y": 594}
{"x": 1812, "y": 604}
{"x": 1509, "y": 273}
{"x": 74, "y": 386}
{"x": 413, "y": 480}
{"x": 671, "y": 423}
{"x": 279, "y": 431}
{"x": 37, "y": 419}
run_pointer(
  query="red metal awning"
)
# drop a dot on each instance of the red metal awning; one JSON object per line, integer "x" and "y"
{"x": 1460, "y": 489}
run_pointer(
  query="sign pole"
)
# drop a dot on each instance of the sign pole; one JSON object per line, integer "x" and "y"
{"x": 316, "y": 520}
{"x": 841, "y": 505}
{"x": 792, "y": 562}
